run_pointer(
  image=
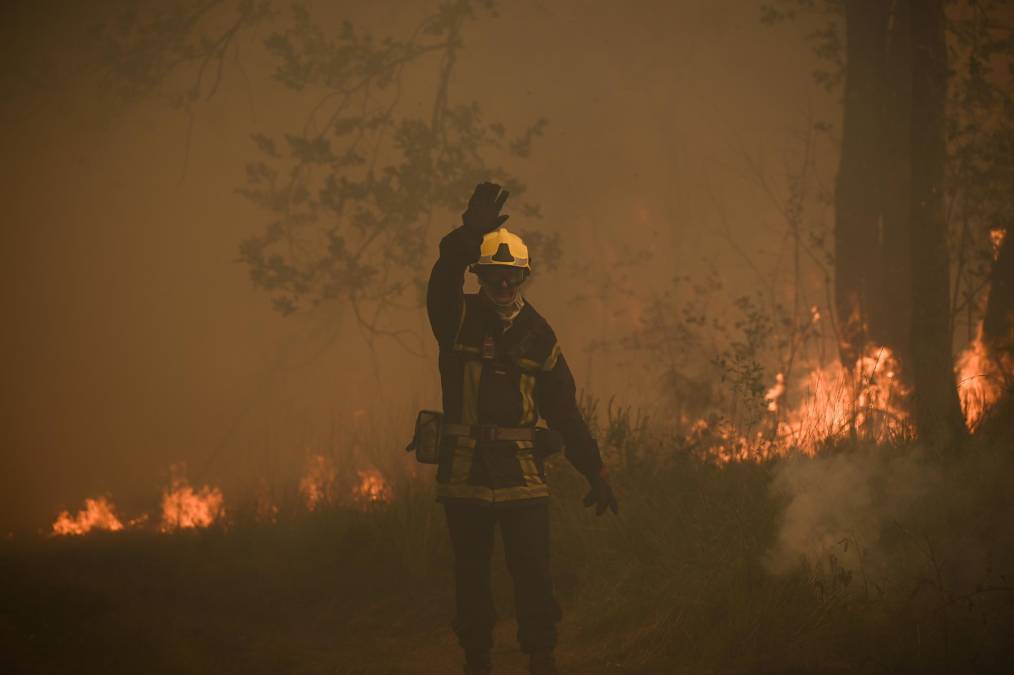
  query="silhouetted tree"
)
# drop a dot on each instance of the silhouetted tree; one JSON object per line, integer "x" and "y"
{"x": 924, "y": 177}
{"x": 866, "y": 43}
{"x": 863, "y": 181}
{"x": 981, "y": 138}
{"x": 998, "y": 320}
{"x": 349, "y": 197}
{"x": 936, "y": 409}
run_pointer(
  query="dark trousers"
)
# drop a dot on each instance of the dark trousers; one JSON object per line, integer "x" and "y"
{"x": 525, "y": 533}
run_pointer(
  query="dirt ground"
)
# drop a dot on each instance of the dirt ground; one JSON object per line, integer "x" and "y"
{"x": 210, "y": 604}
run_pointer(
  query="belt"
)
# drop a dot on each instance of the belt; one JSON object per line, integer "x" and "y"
{"x": 490, "y": 432}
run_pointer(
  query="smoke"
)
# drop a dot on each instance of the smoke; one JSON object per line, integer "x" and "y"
{"x": 898, "y": 515}
{"x": 841, "y": 500}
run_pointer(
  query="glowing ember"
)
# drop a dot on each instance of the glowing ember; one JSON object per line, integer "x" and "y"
{"x": 185, "y": 508}
{"x": 775, "y": 393}
{"x": 996, "y": 237}
{"x": 97, "y": 514}
{"x": 318, "y": 485}
{"x": 266, "y": 509}
{"x": 267, "y": 512}
{"x": 719, "y": 441}
{"x": 372, "y": 488}
{"x": 982, "y": 379}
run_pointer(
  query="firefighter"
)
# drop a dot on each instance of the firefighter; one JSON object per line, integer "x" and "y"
{"x": 501, "y": 370}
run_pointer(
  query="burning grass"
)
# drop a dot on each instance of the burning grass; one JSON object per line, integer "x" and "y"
{"x": 322, "y": 485}
{"x": 828, "y": 405}
{"x": 983, "y": 379}
{"x": 184, "y": 508}
{"x": 97, "y": 514}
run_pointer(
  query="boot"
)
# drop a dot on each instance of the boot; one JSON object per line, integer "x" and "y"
{"x": 478, "y": 663}
{"x": 543, "y": 663}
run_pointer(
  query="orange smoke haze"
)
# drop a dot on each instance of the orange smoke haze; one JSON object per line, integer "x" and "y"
{"x": 133, "y": 339}
{"x": 832, "y": 403}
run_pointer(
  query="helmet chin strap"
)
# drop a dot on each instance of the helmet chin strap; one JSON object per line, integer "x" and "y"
{"x": 509, "y": 311}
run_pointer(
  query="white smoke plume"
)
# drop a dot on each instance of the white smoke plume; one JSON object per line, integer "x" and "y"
{"x": 899, "y": 516}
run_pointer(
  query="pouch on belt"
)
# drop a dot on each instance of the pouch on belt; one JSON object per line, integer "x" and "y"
{"x": 427, "y": 437}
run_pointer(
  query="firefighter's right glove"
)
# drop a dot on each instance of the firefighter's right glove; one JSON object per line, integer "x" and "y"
{"x": 601, "y": 494}
{"x": 483, "y": 212}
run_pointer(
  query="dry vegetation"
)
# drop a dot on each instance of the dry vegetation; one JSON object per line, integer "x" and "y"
{"x": 865, "y": 558}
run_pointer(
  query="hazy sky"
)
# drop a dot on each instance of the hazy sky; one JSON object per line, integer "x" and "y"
{"x": 134, "y": 340}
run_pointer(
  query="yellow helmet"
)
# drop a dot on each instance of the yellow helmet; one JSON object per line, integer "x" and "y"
{"x": 503, "y": 247}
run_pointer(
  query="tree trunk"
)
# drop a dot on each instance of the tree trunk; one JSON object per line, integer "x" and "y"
{"x": 937, "y": 413}
{"x": 998, "y": 336}
{"x": 998, "y": 322}
{"x": 860, "y": 175}
{"x": 891, "y": 324}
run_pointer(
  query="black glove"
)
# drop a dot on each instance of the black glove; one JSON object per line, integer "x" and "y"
{"x": 601, "y": 494}
{"x": 483, "y": 212}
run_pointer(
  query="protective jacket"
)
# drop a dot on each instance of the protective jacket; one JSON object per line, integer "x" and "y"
{"x": 494, "y": 373}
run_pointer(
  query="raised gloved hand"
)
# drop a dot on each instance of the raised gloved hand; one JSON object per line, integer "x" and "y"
{"x": 601, "y": 494}
{"x": 483, "y": 212}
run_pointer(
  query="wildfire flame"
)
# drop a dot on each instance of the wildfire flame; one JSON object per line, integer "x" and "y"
{"x": 814, "y": 315}
{"x": 996, "y": 237}
{"x": 865, "y": 401}
{"x": 775, "y": 393}
{"x": 98, "y": 514}
{"x": 318, "y": 485}
{"x": 185, "y": 508}
{"x": 719, "y": 441}
{"x": 834, "y": 403}
{"x": 372, "y": 488}
{"x": 982, "y": 378}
